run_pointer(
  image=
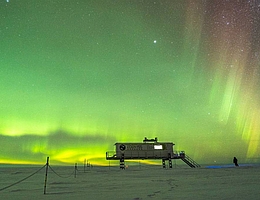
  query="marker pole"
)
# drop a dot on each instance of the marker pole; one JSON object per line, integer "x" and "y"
{"x": 46, "y": 175}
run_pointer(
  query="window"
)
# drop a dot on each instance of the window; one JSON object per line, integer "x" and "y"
{"x": 158, "y": 146}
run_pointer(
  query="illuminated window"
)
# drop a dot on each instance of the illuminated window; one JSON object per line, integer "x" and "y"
{"x": 158, "y": 147}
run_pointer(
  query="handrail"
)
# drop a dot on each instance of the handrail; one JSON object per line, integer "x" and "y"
{"x": 191, "y": 161}
{"x": 111, "y": 155}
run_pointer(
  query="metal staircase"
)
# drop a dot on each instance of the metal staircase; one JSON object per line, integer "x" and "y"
{"x": 189, "y": 161}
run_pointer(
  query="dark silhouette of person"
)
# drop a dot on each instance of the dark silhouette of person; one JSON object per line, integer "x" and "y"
{"x": 235, "y": 161}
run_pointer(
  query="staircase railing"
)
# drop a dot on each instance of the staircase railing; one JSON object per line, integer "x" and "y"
{"x": 189, "y": 161}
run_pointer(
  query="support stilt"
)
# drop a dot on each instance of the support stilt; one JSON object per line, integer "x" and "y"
{"x": 122, "y": 161}
{"x": 170, "y": 163}
{"x": 163, "y": 163}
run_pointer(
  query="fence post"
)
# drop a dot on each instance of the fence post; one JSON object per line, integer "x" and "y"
{"x": 84, "y": 165}
{"x": 46, "y": 175}
{"x": 76, "y": 168}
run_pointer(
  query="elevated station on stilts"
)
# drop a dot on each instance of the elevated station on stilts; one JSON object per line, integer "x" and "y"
{"x": 150, "y": 149}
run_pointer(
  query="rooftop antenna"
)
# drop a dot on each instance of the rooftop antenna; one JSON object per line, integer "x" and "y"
{"x": 150, "y": 140}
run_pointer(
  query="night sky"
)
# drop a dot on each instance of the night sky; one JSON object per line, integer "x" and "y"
{"x": 78, "y": 76}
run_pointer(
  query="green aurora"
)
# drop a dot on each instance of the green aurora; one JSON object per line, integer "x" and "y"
{"x": 78, "y": 76}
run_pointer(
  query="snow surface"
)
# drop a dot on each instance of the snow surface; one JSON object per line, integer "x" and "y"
{"x": 136, "y": 182}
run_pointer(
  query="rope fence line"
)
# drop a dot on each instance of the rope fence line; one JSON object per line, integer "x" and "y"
{"x": 47, "y": 166}
{"x": 61, "y": 175}
{"x": 22, "y": 179}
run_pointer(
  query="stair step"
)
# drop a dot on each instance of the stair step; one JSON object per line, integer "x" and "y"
{"x": 189, "y": 161}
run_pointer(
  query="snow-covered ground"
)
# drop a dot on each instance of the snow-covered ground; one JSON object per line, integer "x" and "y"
{"x": 136, "y": 182}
